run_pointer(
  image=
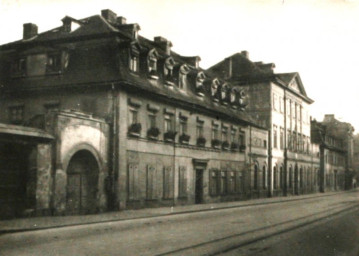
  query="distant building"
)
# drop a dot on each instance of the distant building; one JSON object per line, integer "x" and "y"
{"x": 95, "y": 117}
{"x": 279, "y": 102}
{"x": 336, "y": 144}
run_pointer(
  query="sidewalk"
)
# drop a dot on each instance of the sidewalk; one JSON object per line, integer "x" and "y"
{"x": 38, "y": 223}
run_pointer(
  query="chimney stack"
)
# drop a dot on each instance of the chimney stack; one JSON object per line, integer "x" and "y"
{"x": 121, "y": 20}
{"x": 245, "y": 54}
{"x": 109, "y": 15}
{"x": 164, "y": 44}
{"x": 30, "y": 30}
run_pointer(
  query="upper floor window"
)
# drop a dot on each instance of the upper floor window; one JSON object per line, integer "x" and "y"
{"x": 153, "y": 130}
{"x": 275, "y": 136}
{"x": 152, "y": 63}
{"x": 201, "y": 141}
{"x": 16, "y": 114}
{"x": 182, "y": 76}
{"x": 19, "y": 67}
{"x": 134, "y": 53}
{"x": 275, "y": 101}
{"x": 183, "y": 136}
{"x": 281, "y": 139}
{"x": 168, "y": 70}
{"x": 280, "y": 104}
{"x": 53, "y": 62}
{"x": 215, "y": 131}
{"x": 199, "y": 83}
{"x": 169, "y": 128}
{"x": 134, "y": 63}
{"x": 214, "y": 89}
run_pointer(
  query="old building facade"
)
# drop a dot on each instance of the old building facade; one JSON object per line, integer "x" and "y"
{"x": 336, "y": 143}
{"x": 114, "y": 121}
{"x": 280, "y": 103}
{"x": 95, "y": 117}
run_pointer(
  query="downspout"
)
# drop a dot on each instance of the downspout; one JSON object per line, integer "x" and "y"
{"x": 113, "y": 174}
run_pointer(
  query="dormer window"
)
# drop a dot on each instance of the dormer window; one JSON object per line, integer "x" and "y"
{"x": 214, "y": 89}
{"x": 182, "y": 76}
{"x": 242, "y": 103}
{"x": 232, "y": 96}
{"x": 152, "y": 63}
{"x": 133, "y": 61}
{"x": 19, "y": 67}
{"x": 53, "y": 63}
{"x": 199, "y": 83}
{"x": 168, "y": 70}
{"x": 223, "y": 93}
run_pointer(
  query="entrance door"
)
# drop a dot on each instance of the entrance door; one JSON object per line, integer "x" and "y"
{"x": 199, "y": 186}
{"x": 82, "y": 183}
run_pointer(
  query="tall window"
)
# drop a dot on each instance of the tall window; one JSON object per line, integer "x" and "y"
{"x": 168, "y": 123}
{"x": 224, "y": 133}
{"x": 134, "y": 63}
{"x": 199, "y": 130}
{"x": 242, "y": 138}
{"x": 133, "y": 116}
{"x": 281, "y": 177}
{"x": 215, "y": 132}
{"x": 152, "y": 120}
{"x": 275, "y": 136}
{"x": 183, "y": 126}
{"x": 152, "y": 63}
{"x": 281, "y": 139}
{"x": 275, "y": 101}
{"x": 290, "y": 177}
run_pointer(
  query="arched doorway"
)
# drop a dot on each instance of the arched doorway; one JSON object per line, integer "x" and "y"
{"x": 82, "y": 183}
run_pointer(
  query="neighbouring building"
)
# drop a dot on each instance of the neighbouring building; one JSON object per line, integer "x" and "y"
{"x": 336, "y": 143}
{"x": 279, "y": 102}
{"x": 95, "y": 117}
{"x": 356, "y": 160}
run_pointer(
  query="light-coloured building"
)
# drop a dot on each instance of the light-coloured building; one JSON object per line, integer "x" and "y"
{"x": 279, "y": 102}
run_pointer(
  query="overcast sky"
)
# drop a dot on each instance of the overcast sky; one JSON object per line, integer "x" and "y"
{"x": 317, "y": 38}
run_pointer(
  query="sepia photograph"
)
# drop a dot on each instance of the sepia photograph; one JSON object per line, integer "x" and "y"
{"x": 192, "y": 127}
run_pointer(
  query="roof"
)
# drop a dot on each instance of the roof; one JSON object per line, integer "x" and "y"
{"x": 21, "y": 131}
{"x": 105, "y": 75}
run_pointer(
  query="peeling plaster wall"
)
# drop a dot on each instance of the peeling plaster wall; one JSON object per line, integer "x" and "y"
{"x": 76, "y": 133}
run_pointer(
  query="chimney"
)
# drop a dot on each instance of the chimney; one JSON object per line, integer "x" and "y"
{"x": 30, "y": 30}
{"x": 245, "y": 54}
{"x": 164, "y": 44}
{"x": 121, "y": 20}
{"x": 109, "y": 15}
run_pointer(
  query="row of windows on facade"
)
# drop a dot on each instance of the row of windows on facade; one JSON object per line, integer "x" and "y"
{"x": 39, "y": 64}
{"x": 294, "y": 110}
{"x": 219, "y": 91}
{"x": 306, "y": 177}
{"x": 229, "y": 182}
{"x": 224, "y": 136}
{"x": 334, "y": 142}
{"x": 16, "y": 113}
{"x": 296, "y": 141}
{"x": 334, "y": 158}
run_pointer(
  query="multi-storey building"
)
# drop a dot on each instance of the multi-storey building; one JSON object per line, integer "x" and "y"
{"x": 279, "y": 102}
{"x": 336, "y": 143}
{"x": 95, "y": 117}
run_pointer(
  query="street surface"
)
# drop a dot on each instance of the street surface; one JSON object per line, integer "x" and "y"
{"x": 325, "y": 225}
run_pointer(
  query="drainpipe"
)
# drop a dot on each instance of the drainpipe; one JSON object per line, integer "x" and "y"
{"x": 285, "y": 171}
{"x": 113, "y": 171}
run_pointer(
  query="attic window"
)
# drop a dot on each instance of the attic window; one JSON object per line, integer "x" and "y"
{"x": 133, "y": 59}
{"x": 233, "y": 96}
{"x": 168, "y": 70}
{"x": 214, "y": 89}
{"x": 53, "y": 63}
{"x": 152, "y": 63}
{"x": 224, "y": 91}
{"x": 19, "y": 67}
{"x": 199, "y": 83}
{"x": 182, "y": 76}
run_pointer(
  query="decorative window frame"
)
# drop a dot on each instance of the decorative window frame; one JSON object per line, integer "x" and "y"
{"x": 153, "y": 131}
{"x": 169, "y": 135}
{"x": 134, "y": 57}
{"x": 134, "y": 129}
{"x": 183, "y": 136}
{"x": 168, "y": 67}
{"x": 199, "y": 86}
{"x": 215, "y": 84}
{"x": 223, "y": 93}
{"x": 152, "y": 58}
